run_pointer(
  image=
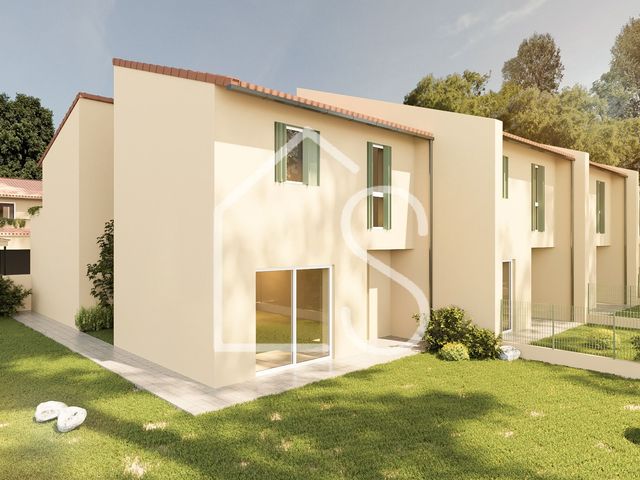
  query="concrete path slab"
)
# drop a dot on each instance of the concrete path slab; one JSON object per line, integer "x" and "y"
{"x": 194, "y": 397}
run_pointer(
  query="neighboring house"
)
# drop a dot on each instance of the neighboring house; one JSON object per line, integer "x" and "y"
{"x": 228, "y": 263}
{"x": 525, "y": 241}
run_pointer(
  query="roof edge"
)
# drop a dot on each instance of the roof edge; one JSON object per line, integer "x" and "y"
{"x": 539, "y": 146}
{"x": 79, "y": 95}
{"x": 234, "y": 84}
{"x": 610, "y": 168}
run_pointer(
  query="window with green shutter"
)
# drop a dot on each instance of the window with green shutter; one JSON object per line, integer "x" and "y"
{"x": 297, "y": 154}
{"x": 537, "y": 198}
{"x": 600, "y": 218}
{"x": 505, "y": 177}
{"x": 379, "y": 177}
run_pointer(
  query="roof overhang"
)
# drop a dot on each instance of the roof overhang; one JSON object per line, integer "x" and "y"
{"x": 538, "y": 146}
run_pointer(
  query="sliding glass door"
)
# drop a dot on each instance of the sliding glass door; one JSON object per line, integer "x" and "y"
{"x": 292, "y": 316}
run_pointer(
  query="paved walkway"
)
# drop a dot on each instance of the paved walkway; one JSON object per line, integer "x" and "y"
{"x": 194, "y": 397}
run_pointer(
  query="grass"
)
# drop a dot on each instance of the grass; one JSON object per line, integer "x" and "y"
{"x": 581, "y": 339}
{"x": 276, "y": 328}
{"x": 418, "y": 417}
{"x": 105, "y": 335}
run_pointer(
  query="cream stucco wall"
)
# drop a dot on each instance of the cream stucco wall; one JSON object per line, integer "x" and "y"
{"x": 21, "y": 207}
{"x": 77, "y": 201}
{"x": 467, "y": 159}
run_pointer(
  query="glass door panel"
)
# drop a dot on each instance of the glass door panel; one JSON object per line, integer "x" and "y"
{"x": 274, "y": 321}
{"x": 312, "y": 314}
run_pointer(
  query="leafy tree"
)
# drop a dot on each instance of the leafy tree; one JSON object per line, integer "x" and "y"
{"x": 620, "y": 86}
{"x": 25, "y": 130}
{"x": 101, "y": 272}
{"x": 454, "y": 93}
{"x": 537, "y": 64}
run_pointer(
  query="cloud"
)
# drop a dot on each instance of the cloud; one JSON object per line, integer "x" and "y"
{"x": 512, "y": 16}
{"x": 464, "y": 22}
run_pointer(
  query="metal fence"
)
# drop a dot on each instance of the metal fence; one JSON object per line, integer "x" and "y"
{"x": 608, "y": 330}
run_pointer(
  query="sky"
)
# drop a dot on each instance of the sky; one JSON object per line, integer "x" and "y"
{"x": 52, "y": 49}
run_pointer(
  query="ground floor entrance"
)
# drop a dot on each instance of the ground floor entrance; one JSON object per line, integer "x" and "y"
{"x": 293, "y": 316}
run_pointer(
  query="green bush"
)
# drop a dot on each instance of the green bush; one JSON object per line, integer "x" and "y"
{"x": 635, "y": 343}
{"x": 451, "y": 325}
{"x": 483, "y": 343}
{"x": 94, "y": 318}
{"x": 599, "y": 339}
{"x": 454, "y": 352}
{"x": 11, "y": 297}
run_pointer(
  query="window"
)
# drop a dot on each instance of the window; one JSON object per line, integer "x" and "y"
{"x": 379, "y": 177}
{"x": 297, "y": 154}
{"x": 7, "y": 210}
{"x": 505, "y": 177}
{"x": 600, "y": 207}
{"x": 537, "y": 198}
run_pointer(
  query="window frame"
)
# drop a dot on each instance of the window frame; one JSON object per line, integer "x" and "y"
{"x": 538, "y": 200}
{"x": 505, "y": 177}
{"x": 299, "y": 130}
{"x": 12, "y": 206}
{"x": 387, "y": 171}
{"x": 309, "y": 152}
{"x": 600, "y": 207}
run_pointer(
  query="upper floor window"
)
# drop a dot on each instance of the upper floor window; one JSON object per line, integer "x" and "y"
{"x": 600, "y": 207}
{"x": 297, "y": 154}
{"x": 7, "y": 210}
{"x": 505, "y": 177}
{"x": 379, "y": 177}
{"x": 537, "y": 198}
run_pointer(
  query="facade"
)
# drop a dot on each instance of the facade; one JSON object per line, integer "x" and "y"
{"x": 17, "y": 196}
{"x": 317, "y": 224}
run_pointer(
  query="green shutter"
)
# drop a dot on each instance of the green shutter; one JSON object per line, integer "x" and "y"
{"x": 386, "y": 177}
{"x": 280, "y": 153}
{"x": 600, "y": 218}
{"x": 541, "y": 198}
{"x": 505, "y": 177}
{"x": 311, "y": 157}
{"x": 369, "y": 184}
{"x": 534, "y": 189}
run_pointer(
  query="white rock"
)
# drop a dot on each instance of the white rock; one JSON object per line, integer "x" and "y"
{"x": 509, "y": 353}
{"x": 70, "y": 418}
{"x": 48, "y": 411}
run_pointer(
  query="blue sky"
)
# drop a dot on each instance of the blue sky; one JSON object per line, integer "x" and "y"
{"x": 380, "y": 49}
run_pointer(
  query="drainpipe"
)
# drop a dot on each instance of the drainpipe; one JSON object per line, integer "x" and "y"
{"x": 430, "y": 226}
{"x": 572, "y": 242}
{"x": 627, "y": 293}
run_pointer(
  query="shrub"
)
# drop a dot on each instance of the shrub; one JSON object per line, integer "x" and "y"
{"x": 599, "y": 339}
{"x": 453, "y": 352}
{"x": 635, "y": 343}
{"x": 446, "y": 325}
{"x": 451, "y": 325}
{"x": 101, "y": 272}
{"x": 483, "y": 343}
{"x": 94, "y": 318}
{"x": 11, "y": 297}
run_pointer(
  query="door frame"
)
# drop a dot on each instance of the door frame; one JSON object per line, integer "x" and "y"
{"x": 294, "y": 316}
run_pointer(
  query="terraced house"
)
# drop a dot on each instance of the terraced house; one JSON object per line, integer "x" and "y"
{"x": 257, "y": 230}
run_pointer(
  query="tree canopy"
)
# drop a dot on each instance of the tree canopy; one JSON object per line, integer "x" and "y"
{"x": 537, "y": 64}
{"x": 572, "y": 117}
{"x": 26, "y": 127}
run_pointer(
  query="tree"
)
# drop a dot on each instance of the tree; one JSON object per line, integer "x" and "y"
{"x": 620, "y": 86}
{"x": 101, "y": 272}
{"x": 537, "y": 64}
{"x": 26, "y": 127}
{"x": 454, "y": 93}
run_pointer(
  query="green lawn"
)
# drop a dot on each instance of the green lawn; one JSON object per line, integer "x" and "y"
{"x": 105, "y": 335}
{"x": 579, "y": 339}
{"x": 275, "y": 328}
{"x": 418, "y": 417}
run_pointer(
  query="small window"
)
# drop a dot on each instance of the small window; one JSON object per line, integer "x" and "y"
{"x": 537, "y": 198}
{"x": 505, "y": 177}
{"x": 600, "y": 218}
{"x": 7, "y": 210}
{"x": 379, "y": 177}
{"x": 297, "y": 153}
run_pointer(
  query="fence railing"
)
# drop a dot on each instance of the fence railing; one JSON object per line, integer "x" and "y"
{"x": 612, "y": 332}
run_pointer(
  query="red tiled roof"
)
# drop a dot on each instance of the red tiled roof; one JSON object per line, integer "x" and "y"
{"x": 610, "y": 168}
{"x": 20, "y": 188}
{"x": 88, "y": 96}
{"x": 14, "y": 232}
{"x": 239, "y": 85}
{"x": 540, "y": 146}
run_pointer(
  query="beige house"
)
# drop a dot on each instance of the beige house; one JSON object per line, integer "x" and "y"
{"x": 317, "y": 224}
{"x": 17, "y": 196}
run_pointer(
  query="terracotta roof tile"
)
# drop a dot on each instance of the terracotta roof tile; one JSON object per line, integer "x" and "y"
{"x": 238, "y": 85}
{"x": 610, "y": 168}
{"x": 20, "y": 188}
{"x": 88, "y": 96}
{"x": 540, "y": 146}
{"x": 14, "y": 232}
